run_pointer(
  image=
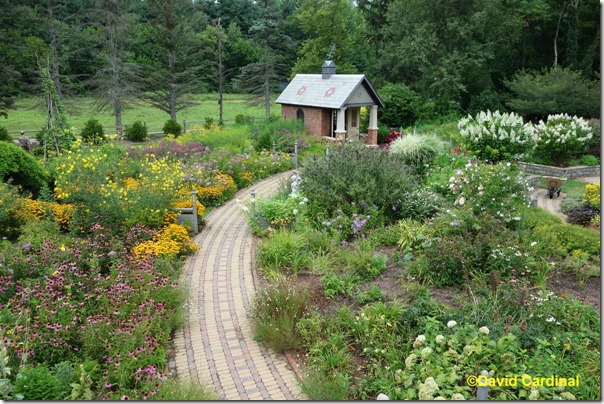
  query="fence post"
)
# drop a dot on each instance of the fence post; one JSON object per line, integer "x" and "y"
{"x": 414, "y": 130}
{"x": 482, "y": 392}
{"x": 296, "y": 154}
{"x": 327, "y": 149}
{"x": 194, "y": 222}
{"x": 274, "y": 147}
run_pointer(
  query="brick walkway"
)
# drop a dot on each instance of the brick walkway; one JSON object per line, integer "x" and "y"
{"x": 215, "y": 346}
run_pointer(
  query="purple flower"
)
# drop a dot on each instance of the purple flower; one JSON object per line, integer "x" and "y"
{"x": 26, "y": 246}
{"x": 394, "y": 208}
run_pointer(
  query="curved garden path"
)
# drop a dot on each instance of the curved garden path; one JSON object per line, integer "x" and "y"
{"x": 216, "y": 346}
{"x": 553, "y": 205}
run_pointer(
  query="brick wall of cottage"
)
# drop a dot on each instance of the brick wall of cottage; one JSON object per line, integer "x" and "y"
{"x": 316, "y": 120}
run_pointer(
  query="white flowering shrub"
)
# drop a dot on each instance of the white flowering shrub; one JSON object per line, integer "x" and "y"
{"x": 496, "y": 136}
{"x": 561, "y": 138}
{"x": 499, "y": 190}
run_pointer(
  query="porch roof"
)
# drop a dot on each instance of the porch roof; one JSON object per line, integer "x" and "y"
{"x": 335, "y": 92}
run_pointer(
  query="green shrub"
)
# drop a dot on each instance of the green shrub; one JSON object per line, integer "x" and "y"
{"x": 264, "y": 142}
{"x": 241, "y": 119}
{"x": 561, "y": 138}
{"x": 4, "y": 136}
{"x": 416, "y": 151}
{"x": 419, "y": 204}
{"x": 38, "y": 384}
{"x": 276, "y": 310}
{"x": 496, "y": 136}
{"x": 137, "y": 132}
{"x": 573, "y": 237}
{"x": 173, "y": 128}
{"x": 403, "y": 105}
{"x": 589, "y": 160}
{"x": 21, "y": 167}
{"x": 93, "y": 132}
{"x": 208, "y": 122}
{"x": 355, "y": 178}
{"x": 9, "y": 220}
{"x": 334, "y": 284}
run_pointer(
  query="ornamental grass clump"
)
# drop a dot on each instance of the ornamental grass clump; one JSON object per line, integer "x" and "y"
{"x": 276, "y": 310}
{"x": 561, "y": 138}
{"x": 416, "y": 151}
{"x": 496, "y": 136}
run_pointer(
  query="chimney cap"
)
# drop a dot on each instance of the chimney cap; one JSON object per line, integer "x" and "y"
{"x": 328, "y": 63}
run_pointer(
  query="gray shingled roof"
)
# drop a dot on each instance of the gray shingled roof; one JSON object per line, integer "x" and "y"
{"x": 312, "y": 90}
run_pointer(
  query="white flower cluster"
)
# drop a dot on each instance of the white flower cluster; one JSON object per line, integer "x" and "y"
{"x": 427, "y": 389}
{"x": 484, "y": 330}
{"x": 561, "y": 128}
{"x": 496, "y": 126}
{"x": 419, "y": 341}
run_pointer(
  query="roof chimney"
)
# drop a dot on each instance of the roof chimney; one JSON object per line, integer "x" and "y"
{"x": 329, "y": 69}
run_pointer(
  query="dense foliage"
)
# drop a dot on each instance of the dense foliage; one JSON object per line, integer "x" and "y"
{"x": 489, "y": 56}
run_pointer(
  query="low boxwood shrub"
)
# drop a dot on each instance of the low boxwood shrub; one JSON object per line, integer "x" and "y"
{"x": 21, "y": 168}
{"x": 93, "y": 132}
{"x": 171, "y": 127}
{"x": 534, "y": 217}
{"x": 4, "y": 136}
{"x": 137, "y": 132}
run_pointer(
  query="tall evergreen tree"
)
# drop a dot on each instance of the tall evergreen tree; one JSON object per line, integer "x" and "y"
{"x": 171, "y": 49}
{"x": 262, "y": 77}
{"x": 118, "y": 81}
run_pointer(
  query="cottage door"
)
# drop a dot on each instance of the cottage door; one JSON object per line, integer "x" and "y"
{"x": 353, "y": 123}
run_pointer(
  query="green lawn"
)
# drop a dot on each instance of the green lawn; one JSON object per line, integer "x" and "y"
{"x": 29, "y": 114}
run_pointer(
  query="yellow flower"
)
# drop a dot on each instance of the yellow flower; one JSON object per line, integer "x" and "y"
{"x": 62, "y": 247}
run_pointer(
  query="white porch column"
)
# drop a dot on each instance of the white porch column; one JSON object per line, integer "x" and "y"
{"x": 372, "y": 130}
{"x": 373, "y": 123}
{"x": 340, "y": 128}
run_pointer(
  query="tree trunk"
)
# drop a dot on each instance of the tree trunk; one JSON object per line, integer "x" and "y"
{"x": 267, "y": 92}
{"x": 557, "y": 32}
{"x": 219, "y": 33}
{"x": 171, "y": 69}
{"x": 117, "y": 108}
{"x": 54, "y": 51}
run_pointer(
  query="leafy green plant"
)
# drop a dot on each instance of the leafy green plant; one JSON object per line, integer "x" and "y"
{"x": 137, "y": 132}
{"x": 334, "y": 284}
{"x": 171, "y": 127}
{"x": 354, "y": 176}
{"x": 38, "y": 383}
{"x": 21, "y": 168}
{"x": 500, "y": 190}
{"x": 93, "y": 132}
{"x": 589, "y": 160}
{"x": 320, "y": 387}
{"x": 374, "y": 293}
{"x": 573, "y": 237}
{"x": 412, "y": 233}
{"x": 4, "y": 137}
{"x": 276, "y": 310}
{"x": 283, "y": 250}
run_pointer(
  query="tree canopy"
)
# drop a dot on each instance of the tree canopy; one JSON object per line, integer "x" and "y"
{"x": 462, "y": 55}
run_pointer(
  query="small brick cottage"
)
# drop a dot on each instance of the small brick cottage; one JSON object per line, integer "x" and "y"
{"x": 329, "y": 104}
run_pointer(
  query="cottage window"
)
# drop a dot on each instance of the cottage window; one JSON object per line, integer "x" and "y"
{"x": 300, "y": 115}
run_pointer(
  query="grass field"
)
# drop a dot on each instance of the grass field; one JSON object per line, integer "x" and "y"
{"x": 29, "y": 114}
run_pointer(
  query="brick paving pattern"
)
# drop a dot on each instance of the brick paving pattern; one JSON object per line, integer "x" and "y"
{"x": 216, "y": 346}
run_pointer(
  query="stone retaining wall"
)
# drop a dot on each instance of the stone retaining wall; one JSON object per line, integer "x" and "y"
{"x": 568, "y": 172}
